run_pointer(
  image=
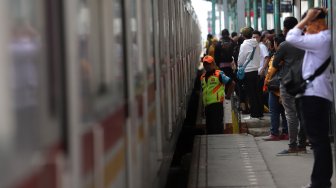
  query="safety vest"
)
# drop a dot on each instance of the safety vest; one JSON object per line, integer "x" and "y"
{"x": 213, "y": 89}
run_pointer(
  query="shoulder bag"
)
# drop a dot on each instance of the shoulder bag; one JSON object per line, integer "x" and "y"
{"x": 293, "y": 81}
{"x": 241, "y": 68}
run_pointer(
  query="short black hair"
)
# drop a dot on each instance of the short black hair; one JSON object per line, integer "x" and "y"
{"x": 290, "y": 22}
{"x": 279, "y": 39}
{"x": 256, "y": 32}
{"x": 233, "y": 34}
{"x": 225, "y": 33}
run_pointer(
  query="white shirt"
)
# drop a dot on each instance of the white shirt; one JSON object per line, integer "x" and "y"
{"x": 263, "y": 53}
{"x": 245, "y": 52}
{"x": 317, "y": 50}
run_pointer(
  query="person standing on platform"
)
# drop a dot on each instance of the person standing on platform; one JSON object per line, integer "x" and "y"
{"x": 250, "y": 50}
{"x": 275, "y": 106}
{"x": 208, "y": 43}
{"x": 285, "y": 56}
{"x": 224, "y": 54}
{"x": 211, "y": 51}
{"x": 315, "y": 103}
{"x": 213, "y": 82}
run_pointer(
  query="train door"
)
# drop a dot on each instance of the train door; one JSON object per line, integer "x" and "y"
{"x": 31, "y": 131}
{"x": 137, "y": 94}
{"x": 152, "y": 133}
{"x": 97, "y": 92}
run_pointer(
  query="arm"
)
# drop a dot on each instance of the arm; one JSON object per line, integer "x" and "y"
{"x": 242, "y": 55}
{"x": 312, "y": 42}
{"x": 266, "y": 61}
{"x": 279, "y": 56}
{"x": 306, "y": 42}
{"x": 228, "y": 83}
{"x": 224, "y": 79}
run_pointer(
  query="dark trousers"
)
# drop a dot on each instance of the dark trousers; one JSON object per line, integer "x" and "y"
{"x": 314, "y": 114}
{"x": 252, "y": 91}
{"x": 214, "y": 114}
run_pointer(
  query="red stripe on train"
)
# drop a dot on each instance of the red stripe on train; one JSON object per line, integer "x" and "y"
{"x": 113, "y": 127}
{"x": 87, "y": 152}
{"x": 46, "y": 175}
{"x": 113, "y": 130}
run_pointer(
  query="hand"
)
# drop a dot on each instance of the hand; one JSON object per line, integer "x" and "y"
{"x": 313, "y": 13}
{"x": 262, "y": 72}
{"x": 264, "y": 88}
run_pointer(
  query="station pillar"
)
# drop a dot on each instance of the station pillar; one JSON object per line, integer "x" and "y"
{"x": 240, "y": 15}
{"x": 263, "y": 15}
{"x": 310, "y": 3}
{"x": 213, "y": 18}
{"x": 255, "y": 14}
{"x": 248, "y": 12}
{"x": 277, "y": 27}
{"x": 226, "y": 14}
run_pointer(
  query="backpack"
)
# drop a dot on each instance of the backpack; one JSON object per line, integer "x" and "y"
{"x": 226, "y": 49}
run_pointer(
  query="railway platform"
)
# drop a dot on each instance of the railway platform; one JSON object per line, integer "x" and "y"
{"x": 241, "y": 160}
{"x": 245, "y": 160}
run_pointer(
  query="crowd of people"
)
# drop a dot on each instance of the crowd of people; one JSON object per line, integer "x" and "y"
{"x": 265, "y": 59}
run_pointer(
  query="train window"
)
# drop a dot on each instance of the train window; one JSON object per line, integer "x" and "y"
{"x": 117, "y": 73}
{"x": 135, "y": 49}
{"x": 101, "y": 56}
{"x": 28, "y": 65}
{"x": 151, "y": 57}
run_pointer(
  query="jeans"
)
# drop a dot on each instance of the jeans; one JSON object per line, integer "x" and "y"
{"x": 276, "y": 109}
{"x": 314, "y": 116}
{"x": 294, "y": 130}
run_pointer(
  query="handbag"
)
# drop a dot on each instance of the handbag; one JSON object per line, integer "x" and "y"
{"x": 293, "y": 81}
{"x": 241, "y": 68}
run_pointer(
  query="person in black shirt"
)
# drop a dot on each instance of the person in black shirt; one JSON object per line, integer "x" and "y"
{"x": 224, "y": 54}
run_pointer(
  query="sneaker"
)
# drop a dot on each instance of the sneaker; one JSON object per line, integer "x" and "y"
{"x": 284, "y": 136}
{"x": 289, "y": 151}
{"x": 271, "y": 137}
{"x": 252, "y": 118}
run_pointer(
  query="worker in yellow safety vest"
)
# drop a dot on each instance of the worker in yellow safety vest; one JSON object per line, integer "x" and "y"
{"x": 213, "y": 83}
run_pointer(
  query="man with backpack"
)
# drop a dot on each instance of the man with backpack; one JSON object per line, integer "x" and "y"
{"x": 224, "y": 54}
{"x": 287, "y": 55}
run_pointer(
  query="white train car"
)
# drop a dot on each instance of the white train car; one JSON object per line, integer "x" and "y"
{"x": 93, "y": 92}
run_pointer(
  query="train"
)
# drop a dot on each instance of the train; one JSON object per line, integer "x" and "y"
{"x": 94, "y": 92}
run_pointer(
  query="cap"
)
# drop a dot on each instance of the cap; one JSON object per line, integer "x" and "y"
{"x": 208, "y": 59}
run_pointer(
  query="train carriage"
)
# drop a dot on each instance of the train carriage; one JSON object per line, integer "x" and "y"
{"x": 94, "y": 92}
